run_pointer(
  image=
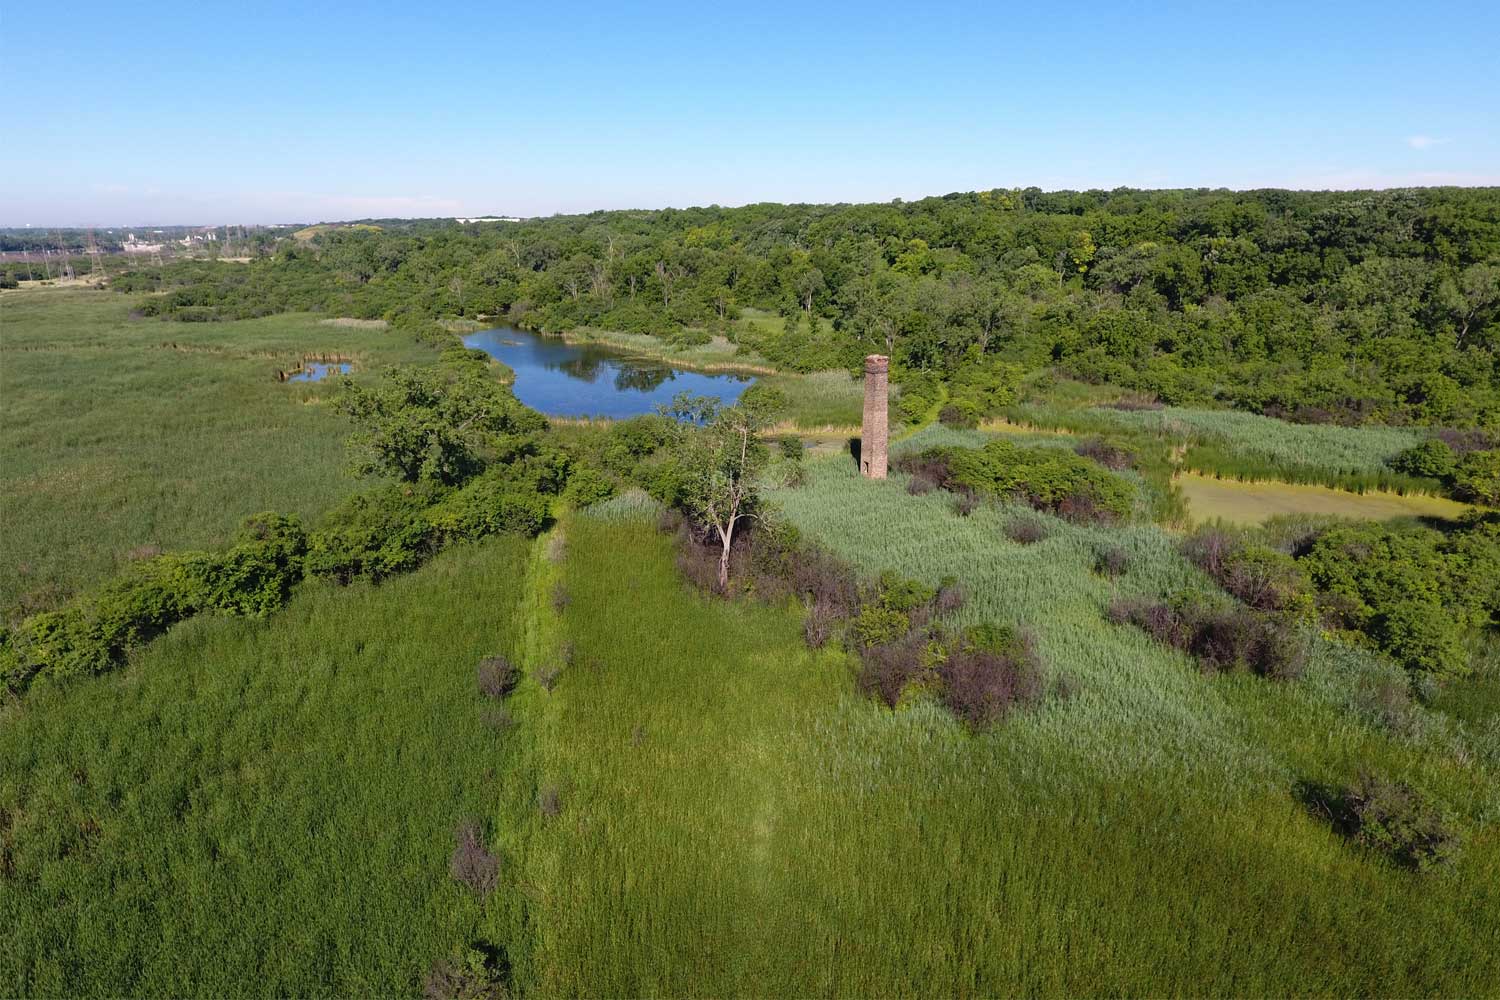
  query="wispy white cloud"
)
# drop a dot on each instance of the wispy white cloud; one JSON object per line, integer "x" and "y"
{"x": 1424, "y": 141}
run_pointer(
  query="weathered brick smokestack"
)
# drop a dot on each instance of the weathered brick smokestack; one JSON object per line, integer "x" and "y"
{"x": 872, "y": 446}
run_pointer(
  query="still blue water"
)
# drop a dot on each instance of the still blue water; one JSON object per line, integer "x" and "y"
{"x": 318, "y": 372}
{"x": 583, "y": 380}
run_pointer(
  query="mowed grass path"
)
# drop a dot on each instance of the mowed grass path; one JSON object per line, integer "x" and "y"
{"x": 112, "y": 439}
{"x": 260, "y": 808}
{"x": 736, "y": 820}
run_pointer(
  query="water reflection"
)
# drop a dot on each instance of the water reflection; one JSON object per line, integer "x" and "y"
{"x": 585, "y": 380}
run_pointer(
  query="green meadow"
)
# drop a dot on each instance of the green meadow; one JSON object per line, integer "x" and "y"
{"x": 124, "y": 436}
{"x": 728, "y": 816}
{"x": 260, "y": 807}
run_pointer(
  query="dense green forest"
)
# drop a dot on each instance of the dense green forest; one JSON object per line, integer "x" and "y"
{"x": 1346, "y": 307}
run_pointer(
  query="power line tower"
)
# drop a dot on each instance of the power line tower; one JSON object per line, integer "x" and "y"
{"x": 66, "y": 272}
{"x": 96, "y": 268}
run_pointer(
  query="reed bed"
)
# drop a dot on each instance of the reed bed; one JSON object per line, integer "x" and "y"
{"x": 261, "y": 808}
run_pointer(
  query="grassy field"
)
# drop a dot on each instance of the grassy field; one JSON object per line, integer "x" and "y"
{"x": 260, "y": 808}
{"x": 830, "y": 401}
{"x": 729, "y": 815}
{"x": 1238, "y": 502}
{"x": 122, "y": 434}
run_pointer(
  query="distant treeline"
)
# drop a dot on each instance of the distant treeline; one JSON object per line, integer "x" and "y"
{"x": 1346, "y": 306}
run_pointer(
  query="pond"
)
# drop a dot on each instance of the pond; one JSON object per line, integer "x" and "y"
{"x": 316, "y": 372}
{"x": 585, "y": 380}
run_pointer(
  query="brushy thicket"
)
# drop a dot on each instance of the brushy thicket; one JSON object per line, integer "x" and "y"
{"x": 1390, "y": 818}
{"x": 1222, "y": 639}
{"x": 1047, "y": 479}
{"x": 896, "y": 626}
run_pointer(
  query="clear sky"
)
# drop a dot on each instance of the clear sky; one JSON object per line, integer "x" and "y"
{"x": 217, "y": 112}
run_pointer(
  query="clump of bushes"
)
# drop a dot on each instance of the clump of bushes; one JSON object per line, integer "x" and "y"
{"x": 1221, "y": 638}
{"x": 1047, "y": 479}
{"x": 1467, "y": 464}
{"x": 962, "y": 415}
{"x": 1112, "y": 562}
{"x": 473, "y": 975}
{"x": 498, "y": 677}
{"x": 988, "y": 673}
{"x": 471, "y": 864}
{"x": 891, "y": 623}
{"x": 1412, "y": 592}
{"x": 1391, "y": 818}
{"x": 1112, "y": 456}
{"x": 1261, "y": 577}
{"x": 888, "y": 668}
{"x": 1026, "y": 530}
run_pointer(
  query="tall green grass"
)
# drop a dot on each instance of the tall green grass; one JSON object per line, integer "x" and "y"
{"x": 736, "y": 820}
{"x": 1237, "y": 445}
{"x": 122, "y": 434}
{"x": 260, "y": 808}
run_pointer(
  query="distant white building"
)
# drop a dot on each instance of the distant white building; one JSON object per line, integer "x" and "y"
{"x": 492, "y": 218}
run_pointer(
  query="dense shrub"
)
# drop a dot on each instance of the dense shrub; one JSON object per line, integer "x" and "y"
{"x": 1263, "y": 578}
{"x": 961, "y": 415}
{"x": 1432, "y": 458}
{"x": 920, "y": 486}
{"x": 95, "y": 633}
{"x": 471, "y": 864}
{"x": 375, "y": 534}
{"x": 878, "y": 626}
{"x": 1476, "y": 477}
{"x": 982, "y": 681}
{"x": 257, "y": 575}
{"x": 587, "y": 487}
{"x": 1222, "y": 639}
{"x": 887, "y": 668}
{"x": 1391, "y": 818}
{"x": 498, "y": 677}
{"x": 1045, "y": 478}
{"x": 472, "y": 975}
{"x": 1026, "y": 530}
{"x": 1410, "y": 591}
{"x": 1110, "y": 455}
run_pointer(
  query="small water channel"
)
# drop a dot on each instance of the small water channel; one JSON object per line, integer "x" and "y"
{"x": 585, "y": 380}
{"x": 317, "y": 372}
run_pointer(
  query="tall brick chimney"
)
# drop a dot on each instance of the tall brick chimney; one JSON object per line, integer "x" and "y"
{"x": 873, "y": 443}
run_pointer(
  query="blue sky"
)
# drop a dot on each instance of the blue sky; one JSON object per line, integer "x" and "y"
{"x": 222, "y": 113}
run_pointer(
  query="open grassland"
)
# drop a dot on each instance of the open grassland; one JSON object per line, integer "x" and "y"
{"x": 121, "y": 434}
{"x": 1237, "y": 502}
{"x": 729, "y": 816}
{"x": 260, "y": 808}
